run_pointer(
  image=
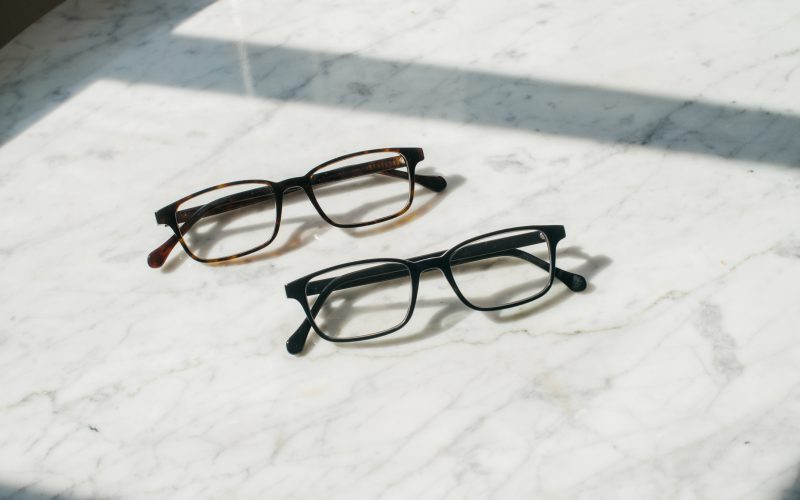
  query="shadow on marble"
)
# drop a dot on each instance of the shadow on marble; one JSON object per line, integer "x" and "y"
{"x": 793, "y": 492}
{"x": 362, "y": 83}
{"x": 8, "y": 492}
{"x": 154, "y": 55}
{"x": 417, "y": 211}
{"x": 307, "y": 228}
{"x": 108, "y": 33}
{"x": 590, "y": 267}
{"x": 451, "y": 311}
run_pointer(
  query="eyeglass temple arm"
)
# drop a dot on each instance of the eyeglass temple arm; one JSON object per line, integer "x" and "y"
{"x": 387, "y": 167}
{"x": 386, "y": 272}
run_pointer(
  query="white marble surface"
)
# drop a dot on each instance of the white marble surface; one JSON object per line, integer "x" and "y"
{"x": 663, "y": 135}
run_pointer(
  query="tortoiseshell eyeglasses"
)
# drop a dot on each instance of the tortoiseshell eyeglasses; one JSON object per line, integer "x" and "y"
{"x": 238, "y": 218}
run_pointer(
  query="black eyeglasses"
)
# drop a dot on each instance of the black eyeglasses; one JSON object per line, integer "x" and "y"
{"x": 238, "y": 218}
{"x": 370, "y": 298}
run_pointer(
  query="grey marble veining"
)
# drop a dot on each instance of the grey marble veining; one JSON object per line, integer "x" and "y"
{"x": 663, "y": 136}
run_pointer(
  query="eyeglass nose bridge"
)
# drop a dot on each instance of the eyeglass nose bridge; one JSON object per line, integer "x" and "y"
{"x": 440, "y": 262}
{"x": 429, "y": 263}
{"x": 293, "y": 185}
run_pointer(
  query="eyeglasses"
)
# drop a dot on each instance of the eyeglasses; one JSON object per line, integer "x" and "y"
{"x": 238, "y": 218}
{"x": 370, "y": 298}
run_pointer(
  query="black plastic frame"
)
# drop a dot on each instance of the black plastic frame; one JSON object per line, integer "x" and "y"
{"x": 173, "y": 218}
{"x": 442, "y": 260}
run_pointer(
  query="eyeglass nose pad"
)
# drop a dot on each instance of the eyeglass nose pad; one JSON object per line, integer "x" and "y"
{"x": 297, "y": 341}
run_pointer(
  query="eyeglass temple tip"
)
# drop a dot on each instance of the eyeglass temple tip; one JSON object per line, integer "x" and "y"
{"x": 157, "y": 257}
{"x": 574, "y": 282}
{"x": 435, "y": 183}
{"x": 297, "y": 341}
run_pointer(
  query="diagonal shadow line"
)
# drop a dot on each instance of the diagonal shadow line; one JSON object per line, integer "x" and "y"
{"x": 155, "y": 55}
{"x": 488, "y": 99}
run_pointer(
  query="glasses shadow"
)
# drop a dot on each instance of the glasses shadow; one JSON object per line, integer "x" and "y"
{"x": 589, "y": 268}
{"x": 793, "y": 492}
{"x": 434, "y": 199}
{"x": 37, "y": 491}
{"x": 280, "y": 73}
{"x": 311, "y": 226}
{"x": 452, "y": 311}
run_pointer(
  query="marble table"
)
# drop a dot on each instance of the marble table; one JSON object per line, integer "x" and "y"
{"x": 665, "y": 137}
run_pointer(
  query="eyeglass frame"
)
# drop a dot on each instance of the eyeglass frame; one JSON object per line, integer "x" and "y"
{"x": 171, "y": 216}
{"x": 416, "y": 266}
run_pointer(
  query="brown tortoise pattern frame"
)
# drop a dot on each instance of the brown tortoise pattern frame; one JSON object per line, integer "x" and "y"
{"x": 181, "y": 221}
